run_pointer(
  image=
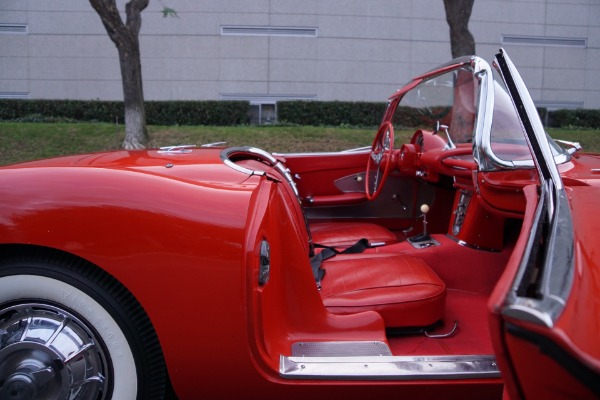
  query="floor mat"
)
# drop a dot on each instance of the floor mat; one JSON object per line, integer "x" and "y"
{"x": 472, "y": 335}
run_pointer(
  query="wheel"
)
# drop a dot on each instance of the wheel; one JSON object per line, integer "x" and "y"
{"x": 379, "y": 161}
{"x": 70, "y": 331}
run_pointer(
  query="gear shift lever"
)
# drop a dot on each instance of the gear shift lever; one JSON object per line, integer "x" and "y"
{"x": 422, "y": 237}
{"x": 425, "y": 210}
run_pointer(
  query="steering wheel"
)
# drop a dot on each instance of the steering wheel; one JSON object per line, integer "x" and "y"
{"x": 379, "y": 161}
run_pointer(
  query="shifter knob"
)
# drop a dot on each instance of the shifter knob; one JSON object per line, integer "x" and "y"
{"x": 423, "y": 239}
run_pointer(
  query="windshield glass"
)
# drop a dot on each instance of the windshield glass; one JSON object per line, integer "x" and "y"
{"x": 508, "y": 141}
{"x": 448, "y": 99}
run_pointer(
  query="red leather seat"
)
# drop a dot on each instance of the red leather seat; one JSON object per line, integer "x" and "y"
{"x": 403, "y": 289}
{"x": 342, "y": 234}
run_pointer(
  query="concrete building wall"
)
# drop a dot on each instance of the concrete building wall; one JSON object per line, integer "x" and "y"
{"x": 352, "y": 50}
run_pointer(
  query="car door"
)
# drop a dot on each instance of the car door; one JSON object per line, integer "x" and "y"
{"x": 544, "y": 310}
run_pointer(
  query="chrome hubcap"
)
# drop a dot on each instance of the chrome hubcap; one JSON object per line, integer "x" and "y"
{"x": 47, "y": 352}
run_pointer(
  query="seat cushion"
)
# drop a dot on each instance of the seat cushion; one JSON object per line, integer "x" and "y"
{"x": 403, "y": 289}
{"x": 341, "y": 234}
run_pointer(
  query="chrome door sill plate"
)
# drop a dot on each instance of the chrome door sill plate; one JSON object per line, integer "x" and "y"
{"x": 389, "y": 367}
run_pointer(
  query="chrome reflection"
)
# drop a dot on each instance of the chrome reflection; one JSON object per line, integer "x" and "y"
{"x": 389, "y": 367}
{"x": 264, "y": 268}
{"x": 178, "y": 149}
{"x": 252, "y": 152}
{"x": 47, "y": 352}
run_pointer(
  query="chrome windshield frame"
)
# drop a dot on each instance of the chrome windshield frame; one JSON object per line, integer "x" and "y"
{"x": 545, "y": 275}
{"x": 482, "y": 147}
{"x": 530, "y": 122}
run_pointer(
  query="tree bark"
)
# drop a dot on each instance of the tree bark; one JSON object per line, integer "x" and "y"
{"x": 458, "y": 13}
{"x": 125, "y": 38}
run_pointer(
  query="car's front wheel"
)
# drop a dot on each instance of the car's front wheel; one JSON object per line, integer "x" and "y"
{"x": 70, "y": 331}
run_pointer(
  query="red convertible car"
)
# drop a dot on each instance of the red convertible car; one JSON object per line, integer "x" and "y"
{"x": 463, "y": 264}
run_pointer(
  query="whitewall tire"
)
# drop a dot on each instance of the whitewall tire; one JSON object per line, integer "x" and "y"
{"x": 68, "y": 330}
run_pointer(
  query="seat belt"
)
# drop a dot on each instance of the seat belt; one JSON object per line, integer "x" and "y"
{"x": 356, "y": 248}
{"x": 328, "y": 252}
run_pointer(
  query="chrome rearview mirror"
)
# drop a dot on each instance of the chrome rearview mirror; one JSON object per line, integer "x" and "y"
{"x": 439, "y": 127}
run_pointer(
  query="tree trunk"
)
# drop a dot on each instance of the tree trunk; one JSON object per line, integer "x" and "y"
{"x": 458, "y": 13}
{"x": 136, "y": 134}
{"x": 125, "y": 38}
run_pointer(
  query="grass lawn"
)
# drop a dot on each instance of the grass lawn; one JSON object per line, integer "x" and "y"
{"x": 30, "y": 141}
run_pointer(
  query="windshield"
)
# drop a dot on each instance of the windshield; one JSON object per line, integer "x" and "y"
{"x": 452, "y": 102}
{"x": 508, "y": 143}
{"x": 447, "y": 99}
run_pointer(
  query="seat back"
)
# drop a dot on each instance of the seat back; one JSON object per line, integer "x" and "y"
{"x": 292, "y": 200}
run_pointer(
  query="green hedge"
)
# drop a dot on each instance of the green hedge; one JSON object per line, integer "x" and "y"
{"x": 581, "y": 118}
{"x": 157, "y": 112}
{"x": 197, "y": 112}
{"x": 336, "y": 113}
{"x": 331, "y": 113}
{"x": 315, "y": 113}
{"x": 34, "y": 110}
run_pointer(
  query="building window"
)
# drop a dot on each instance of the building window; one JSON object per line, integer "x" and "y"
{"x": 263, "y": 108}
{"x": 13, "y": 29}
{"x": 250, "y": 30}
{"x": 544, "y": 41}
{"x": 14, "y": 95}
{"x": 263, "y": 113}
